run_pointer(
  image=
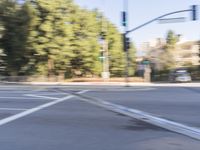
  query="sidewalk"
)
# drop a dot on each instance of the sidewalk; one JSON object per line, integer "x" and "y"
{"x": 130, "y": 84}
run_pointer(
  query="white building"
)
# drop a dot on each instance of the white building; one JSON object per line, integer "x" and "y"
{"x": 185, "y": 54}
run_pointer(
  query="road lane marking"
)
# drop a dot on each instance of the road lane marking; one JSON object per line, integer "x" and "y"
{"x": 124, "y": 89}
{"x": 35, "y": 109}
{"x": 18, "y": 109}
{"x": 50, "y": 94}
{"x": 41, "y": 96}
{"x": 113, "y": 89}
{"x": 7, "y": 97}
{"x": 144, "y": 116}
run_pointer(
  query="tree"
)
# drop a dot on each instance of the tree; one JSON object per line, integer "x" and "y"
{"x": 50, "y": 34}
{"x": 58, "y": 37}
{"x": 14, "y": 36}
{"x": 115, "y": 48}
{"x": 2, "y": 55}
{"x": 132, "y": 57}
{"x": 167, "y": 56}
{"x": 2, "y": 62}
{"x": 116, "y": 54}
{"x": 85, "y": 44}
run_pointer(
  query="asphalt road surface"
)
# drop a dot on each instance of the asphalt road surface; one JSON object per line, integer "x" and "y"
{"x": 58, "y": 118}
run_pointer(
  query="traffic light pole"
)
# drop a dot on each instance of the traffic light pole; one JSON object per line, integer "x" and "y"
{"x": 194, "y": 17}
{"x": 126, "y": 31}
{"x": 125, "y": 24}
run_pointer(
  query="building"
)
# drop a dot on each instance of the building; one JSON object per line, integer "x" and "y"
{"x": 186, "y": 53}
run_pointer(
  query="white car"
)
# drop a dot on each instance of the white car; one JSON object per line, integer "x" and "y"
{"x": 180, "y": 76}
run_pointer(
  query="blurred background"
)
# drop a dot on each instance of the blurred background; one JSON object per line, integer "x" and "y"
{"x": 81, "y": 40}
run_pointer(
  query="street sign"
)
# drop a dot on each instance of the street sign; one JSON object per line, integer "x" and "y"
{"x": 146, "y": 62}
{"x": 171, "y": 20}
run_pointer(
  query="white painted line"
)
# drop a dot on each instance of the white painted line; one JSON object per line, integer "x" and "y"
{"x": 21, "y": 91}
{"x": 19, "y": 109}
{"x": 144, "y": 116}
{"x": 7, "y": 97}
{"x": 35, "y": 109}
{"x": 128, "y": 89}
{"x": 110, "y": 89}
{"x": 51, "y": 94}
{"x": 14, "y": 92}
{"x": 41, "y": 96}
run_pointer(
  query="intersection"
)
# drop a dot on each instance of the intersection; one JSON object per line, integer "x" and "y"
{"x": 67, "y": 117}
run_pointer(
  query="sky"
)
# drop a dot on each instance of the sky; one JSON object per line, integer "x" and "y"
{"x": 141, "y": 11}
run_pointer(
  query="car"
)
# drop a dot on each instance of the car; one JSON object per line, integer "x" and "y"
{"x": 180, "y": 76}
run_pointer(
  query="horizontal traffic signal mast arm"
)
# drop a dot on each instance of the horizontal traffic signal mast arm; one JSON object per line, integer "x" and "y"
{"x": 193, "y": 10}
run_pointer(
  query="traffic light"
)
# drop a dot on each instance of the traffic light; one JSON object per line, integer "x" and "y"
{"x": 126, "y": 42}
{"x": 194, "y": 12}
{"x": 103, "y": 35}
{"x": 124, "y": 20}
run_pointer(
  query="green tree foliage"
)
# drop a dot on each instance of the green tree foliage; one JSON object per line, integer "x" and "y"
{"x": 167, "y": 56}
{"x": 49, "y": 38}
{"x": 50, "y": 35}
{"x": 2, "y": 54}
{"x": 2, "y": 62}
{"x": 2, "y": 65}
{"x": 116, "y": 54}
{"x": 14, "y": 36}
{"x": 117, "y": 59}
{"x": 132, "y": 57}
{"x": 171, "y": 40}
{"x": 84, "y": 43}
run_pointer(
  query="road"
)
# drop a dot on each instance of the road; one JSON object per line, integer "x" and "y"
{"x": 58, "y": 118}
